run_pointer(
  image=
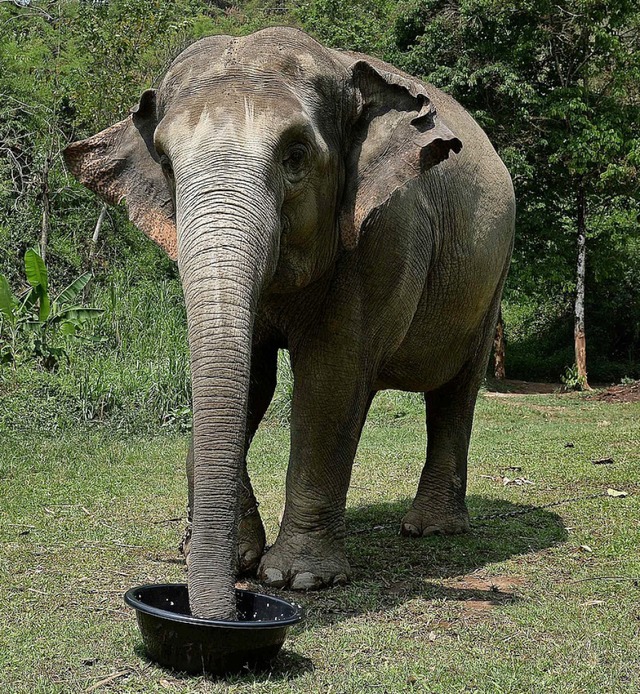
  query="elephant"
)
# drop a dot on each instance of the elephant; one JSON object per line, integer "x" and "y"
{"x": 326, "y": 203}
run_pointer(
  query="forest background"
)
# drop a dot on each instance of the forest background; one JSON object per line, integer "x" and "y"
{"x": 556, "y": 85}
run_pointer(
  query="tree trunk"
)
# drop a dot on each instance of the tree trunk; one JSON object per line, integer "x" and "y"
{"x": 46, "y": 210}
{"x": 580, "y": 343}
{"x": 96, "y": 232}
{"x": 499, "y": 349}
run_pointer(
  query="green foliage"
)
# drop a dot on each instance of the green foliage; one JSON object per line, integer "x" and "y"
{"x": 571, "y": 380}
{"x": 355, "y": 26}
{"x": 131, "y": 370}
{"x": 33, "y": 326}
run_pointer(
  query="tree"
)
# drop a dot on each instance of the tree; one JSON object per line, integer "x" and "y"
{"x": 68, "y": 69}
{"x": 499, "y": 350}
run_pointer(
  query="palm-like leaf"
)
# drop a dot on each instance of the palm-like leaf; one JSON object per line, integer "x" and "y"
{"x": 69, "y": 294}
{"x": 79, "y": 314}
{"x": 44, "y": 307}
{"x": 35, "y": 269}
{"x": 7, "y": 300}
{"x": 29, "y": 300}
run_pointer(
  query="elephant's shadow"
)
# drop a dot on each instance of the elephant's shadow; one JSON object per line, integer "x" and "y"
{"x": 388, "y": 569}
{"x": 287, "y": 666}
{"x": 377, "y": 552}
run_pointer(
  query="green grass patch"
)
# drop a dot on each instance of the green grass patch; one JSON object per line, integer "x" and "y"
{"x": 543, "y": 601}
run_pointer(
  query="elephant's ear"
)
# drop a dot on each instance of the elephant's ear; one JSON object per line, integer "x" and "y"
{"x": 121, "y": 163}
{"x": 396, "y": 136}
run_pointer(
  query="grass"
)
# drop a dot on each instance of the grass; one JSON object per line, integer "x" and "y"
{"x": 546, "y": 601}
{"x": 134, "y": 376}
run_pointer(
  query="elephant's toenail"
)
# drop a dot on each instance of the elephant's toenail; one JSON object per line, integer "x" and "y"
{"x": 249, "y": 557}
{"x": 274, "y": 577}
{"x": 341, "y": 580}
{"x": 432, "y": 530}
{"x": 306, "y": 581}
{"x": 410, "y": 530}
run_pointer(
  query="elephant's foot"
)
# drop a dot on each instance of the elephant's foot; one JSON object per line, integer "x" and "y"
{"x": 435, "y": 521}
{"x": 251, "y": 542}
{"x": 304, "y": 561}
{"x": 185, "y": 543}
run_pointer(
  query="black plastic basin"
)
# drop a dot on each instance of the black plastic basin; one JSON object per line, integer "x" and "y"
{"x": 174, "y": 638}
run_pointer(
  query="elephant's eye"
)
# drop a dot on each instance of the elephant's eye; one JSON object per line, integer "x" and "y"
{"x": 165, "y": 163}
{"x": 295, "y": 159}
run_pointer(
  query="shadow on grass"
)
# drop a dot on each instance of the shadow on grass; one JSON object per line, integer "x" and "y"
{"x": 389, "y": 570}
{"x": 376, "y": 550}
{"x": 286, "y": 667}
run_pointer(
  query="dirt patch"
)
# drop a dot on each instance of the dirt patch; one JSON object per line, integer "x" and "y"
{"x": 629, "y": 392}
{"x": 495, "y": 584}
{"x": 622, "y": 393}
{"x": 478, "y": 606}
{"x": 480, "y": 593}
{"x": 508, "y": 387}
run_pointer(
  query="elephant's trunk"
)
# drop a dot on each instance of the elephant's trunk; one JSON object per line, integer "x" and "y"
{"x": 227, "y": 246}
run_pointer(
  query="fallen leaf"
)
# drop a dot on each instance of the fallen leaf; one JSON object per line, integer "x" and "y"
{"x": 520, "y": 481}
{"x": 585, "y": 548}
{"x": 603, "y": 461}
{"x": 108, "y": 680}
{"x": 616, "y": 494}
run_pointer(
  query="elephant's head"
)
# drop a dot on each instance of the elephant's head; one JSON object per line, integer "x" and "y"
{"x": 256, "y": 162}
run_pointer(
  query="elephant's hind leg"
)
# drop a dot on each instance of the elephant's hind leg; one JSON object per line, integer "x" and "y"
{"x": 439, "y": 506}
{"x": 251, "y": 535}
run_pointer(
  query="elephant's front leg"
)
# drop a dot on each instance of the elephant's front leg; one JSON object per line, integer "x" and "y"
{"x": 251, "y": 535}
{"x": 329, "y": 409}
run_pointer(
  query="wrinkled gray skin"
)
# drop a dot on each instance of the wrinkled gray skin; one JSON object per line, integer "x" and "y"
{"x": 326, "y": 203}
